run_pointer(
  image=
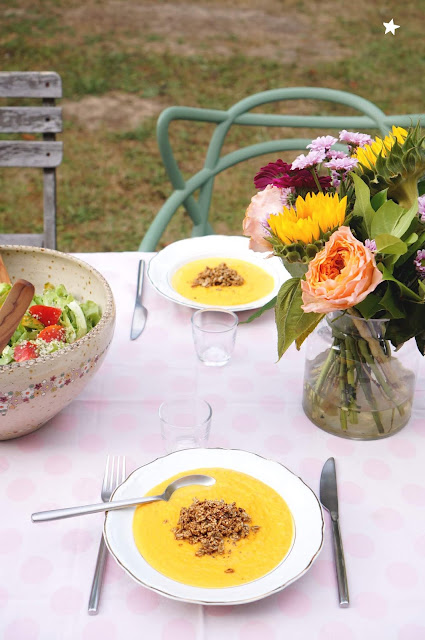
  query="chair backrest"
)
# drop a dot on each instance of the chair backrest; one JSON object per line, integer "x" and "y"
{"x": 44, "y": 119}
{"x": 371, "y": 117}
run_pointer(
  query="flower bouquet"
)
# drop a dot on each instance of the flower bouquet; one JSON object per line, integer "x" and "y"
{"x": 349, "y": 227}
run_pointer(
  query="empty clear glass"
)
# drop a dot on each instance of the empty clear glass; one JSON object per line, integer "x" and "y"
{"x": 214, "y": 335}
{"x": 185, "y": 423}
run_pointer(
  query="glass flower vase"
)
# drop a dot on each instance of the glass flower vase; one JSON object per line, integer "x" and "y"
{"x": 355, "y": 384}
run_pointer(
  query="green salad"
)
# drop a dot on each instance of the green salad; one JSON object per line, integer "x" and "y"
{"x": 52, "y": 320}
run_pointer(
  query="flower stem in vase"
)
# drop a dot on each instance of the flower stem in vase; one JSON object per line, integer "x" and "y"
{"x": 324, "y": 370}
{"x": 365, "y": 354}
{"x": 354, "y": 385}
{"x": 365, "y": 381}
{"x": 375, "y": 348}
{"x": 351, "y": 379}
{"x": 343, "y": 387}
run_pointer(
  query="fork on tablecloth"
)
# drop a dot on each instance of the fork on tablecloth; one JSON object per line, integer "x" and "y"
{"x": 114, "y": 476}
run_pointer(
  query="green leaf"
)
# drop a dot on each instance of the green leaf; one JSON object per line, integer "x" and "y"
{"x": 369, "y": 306}
{"x": 411, "y": 239}
{"x": 391, "y": 219}
{"x": 391, "y": 303}
{"x": 420, "y": 343}
{"x": 412, "y": 250}
{"x": 310, "y": 329}
{"x": 295, "y": 269}
{"x": 379, "y": 199}
{"x": 405, "y": 291}
{"x": 387, "y": 243}
{"x": 409, "y": 219}
{"x": 269, "y": 305}
{"x": 291, "y": 321}
{"x": 362, "y": 206}
{"x": 412, "y": 326}
{"x": 421, "y": 289}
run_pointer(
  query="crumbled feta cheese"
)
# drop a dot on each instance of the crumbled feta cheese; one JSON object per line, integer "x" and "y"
{"x": 44, "y": 348}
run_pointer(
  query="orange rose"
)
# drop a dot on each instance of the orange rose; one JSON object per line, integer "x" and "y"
{"x": 340, "y": 276}
{"x": 254, "y": 225}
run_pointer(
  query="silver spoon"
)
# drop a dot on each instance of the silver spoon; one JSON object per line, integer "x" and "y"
{"x": 58, "y": 514}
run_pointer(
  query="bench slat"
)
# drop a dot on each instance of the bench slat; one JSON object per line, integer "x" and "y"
{"x": 31, "y": 84}
{"x": 28, "y": 239}
{"x": 30, "y": 119}
{"x": 30, "y": 154}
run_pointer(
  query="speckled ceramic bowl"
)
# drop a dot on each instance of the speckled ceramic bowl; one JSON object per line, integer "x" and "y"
{"x": 34, "y": 391}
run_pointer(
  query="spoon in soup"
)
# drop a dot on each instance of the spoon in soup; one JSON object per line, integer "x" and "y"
{"x": 185, "y": 481}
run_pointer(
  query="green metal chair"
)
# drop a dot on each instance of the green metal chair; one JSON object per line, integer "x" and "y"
{"x": 239, "y": 114}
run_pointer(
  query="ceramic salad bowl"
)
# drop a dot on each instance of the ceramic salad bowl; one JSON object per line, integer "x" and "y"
{"x": 33, "y": 391}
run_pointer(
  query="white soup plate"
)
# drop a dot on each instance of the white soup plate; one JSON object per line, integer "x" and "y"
{"x": 166, "y": 262}
{"x": 302, "y": 502}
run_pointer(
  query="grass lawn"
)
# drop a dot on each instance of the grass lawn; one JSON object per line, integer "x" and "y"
{"x": 123, "y": 61}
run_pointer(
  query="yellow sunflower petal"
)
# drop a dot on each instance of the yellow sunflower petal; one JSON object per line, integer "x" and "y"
{"x": 368, "y": 154}
{"x": 315, "y": 215}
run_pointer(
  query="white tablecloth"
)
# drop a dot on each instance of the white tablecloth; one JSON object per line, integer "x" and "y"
{"x": 46, "y": 569}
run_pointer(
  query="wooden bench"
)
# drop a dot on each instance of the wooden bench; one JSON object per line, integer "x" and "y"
{"x": 45, "y": 154}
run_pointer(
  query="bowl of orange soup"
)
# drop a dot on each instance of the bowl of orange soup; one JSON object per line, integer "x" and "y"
{"x": 216, "y": 271}
{"x": 252, "y": 533}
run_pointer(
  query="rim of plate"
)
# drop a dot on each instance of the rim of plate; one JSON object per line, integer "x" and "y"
{"x": 173, "y": 588}
{"x": 198, "y": 248}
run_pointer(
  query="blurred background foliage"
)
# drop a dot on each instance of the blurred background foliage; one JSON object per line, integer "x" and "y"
{"x": 123, "y": 61}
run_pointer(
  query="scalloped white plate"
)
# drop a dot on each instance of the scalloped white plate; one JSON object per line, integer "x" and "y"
{"x": 304, "y": 505}
{"x": 167, "y": 261}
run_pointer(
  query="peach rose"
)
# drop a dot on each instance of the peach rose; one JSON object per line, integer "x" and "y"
{"x": 262, "y": 205}
{"x": 340, "y": 276}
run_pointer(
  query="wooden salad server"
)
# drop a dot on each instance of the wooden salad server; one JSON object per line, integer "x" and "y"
{"x": 4, "y": 276}
{"x": 13, "y": 309}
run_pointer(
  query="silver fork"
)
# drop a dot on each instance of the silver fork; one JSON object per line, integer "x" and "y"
{"x": 114, "y": 476}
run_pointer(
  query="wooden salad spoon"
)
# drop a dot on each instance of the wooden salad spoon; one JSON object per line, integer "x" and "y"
{"x": 13, "y": 309}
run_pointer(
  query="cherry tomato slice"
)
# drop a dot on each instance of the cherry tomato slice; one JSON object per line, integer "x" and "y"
{"x": 53, "y": 332}
{"x": 46, "y": 315}
{"x": 25, "y": 351}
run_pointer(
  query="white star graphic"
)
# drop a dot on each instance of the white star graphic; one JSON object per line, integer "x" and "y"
{"x": 390, "y": 27}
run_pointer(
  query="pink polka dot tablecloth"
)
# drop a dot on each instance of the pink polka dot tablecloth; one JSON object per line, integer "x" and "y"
{"x": 46, "y": 569}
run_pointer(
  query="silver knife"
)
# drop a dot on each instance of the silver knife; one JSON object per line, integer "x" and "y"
{"x": 140, "y": 312}
{"x": 329, "y": 499}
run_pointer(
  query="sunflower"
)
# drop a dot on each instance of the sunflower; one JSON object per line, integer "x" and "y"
{"x": 395, "y": 163}
{"x": 368, "y": 154}
{"x": 312, "y": 217}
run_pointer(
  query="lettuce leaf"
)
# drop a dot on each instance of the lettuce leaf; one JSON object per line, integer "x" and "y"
{"x": 92, "y": 313}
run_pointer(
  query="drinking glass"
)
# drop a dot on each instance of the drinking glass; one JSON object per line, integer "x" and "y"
{"x": 214, "y": 335}
{"x": 185, "y": 423}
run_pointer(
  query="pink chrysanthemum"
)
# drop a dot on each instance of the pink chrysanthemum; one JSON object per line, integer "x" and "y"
{"x": 421, "y": 209}
{"x": 337, "y": 154}
{"x": 288, "y": 197}
{"x": 335, "y": 179}
{"x": 342, "y": 165}
{"x": 370, "y": 244}
{"x": 312, "y": 159}
{"x": 355, "y": 139}
{"x": 419, "y": 263}
{"x": 322, "y": 143}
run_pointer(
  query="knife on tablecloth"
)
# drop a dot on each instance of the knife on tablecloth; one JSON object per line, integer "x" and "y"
{"x": 329, "y": 499}
{"x": 140, "y": 312}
